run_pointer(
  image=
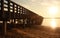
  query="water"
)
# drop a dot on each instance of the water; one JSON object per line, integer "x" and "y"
{"x": 49, "y": 22}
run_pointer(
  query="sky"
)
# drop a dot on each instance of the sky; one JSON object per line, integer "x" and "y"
{"x": 40, "y": 7}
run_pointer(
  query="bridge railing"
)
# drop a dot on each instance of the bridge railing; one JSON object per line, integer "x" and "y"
{"x": 10, "y": 10}
{"x": 4, "y": 9}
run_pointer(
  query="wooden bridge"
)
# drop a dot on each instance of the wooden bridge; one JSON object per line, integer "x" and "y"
{"x": 9, "y": 10}
{"x": 13, "y": 13}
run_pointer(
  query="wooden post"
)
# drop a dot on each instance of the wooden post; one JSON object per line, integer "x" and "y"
{"x": 4, "y": 27}
{"x": 2, "y": 9}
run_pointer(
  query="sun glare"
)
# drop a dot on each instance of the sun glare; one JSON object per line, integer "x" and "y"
{"x": 52, "y": 10}
{"x": 53, "y": 23}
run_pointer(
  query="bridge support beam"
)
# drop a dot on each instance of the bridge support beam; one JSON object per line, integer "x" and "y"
{"x": 4, "y": 27}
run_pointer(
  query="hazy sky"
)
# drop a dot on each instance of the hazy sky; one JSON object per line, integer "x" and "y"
{"x": 39, "y": 6}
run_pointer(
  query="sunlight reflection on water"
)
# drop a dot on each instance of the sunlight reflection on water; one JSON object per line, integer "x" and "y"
{"x": 51, "y": 22}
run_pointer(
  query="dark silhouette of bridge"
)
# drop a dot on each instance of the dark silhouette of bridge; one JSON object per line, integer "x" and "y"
{"x": 13, "y": 14}
{"x": 9, "y": 10}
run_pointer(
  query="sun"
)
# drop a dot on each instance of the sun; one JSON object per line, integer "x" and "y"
{"x": 52, "y": 10}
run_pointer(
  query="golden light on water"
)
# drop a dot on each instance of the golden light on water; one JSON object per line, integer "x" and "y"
{"x": 53, "y": 23}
